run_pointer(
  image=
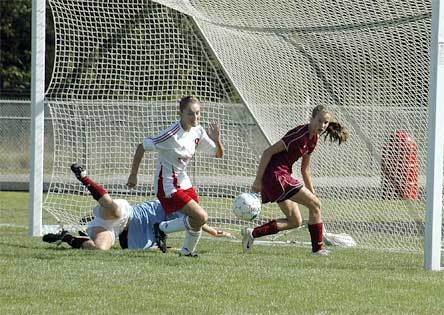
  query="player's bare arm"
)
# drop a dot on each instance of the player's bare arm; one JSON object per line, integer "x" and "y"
{"x": 265, "y": 159}
{"x": 138, "y": 155}
{"x": 216, "y": 232}
{"x": 306, "y": 172}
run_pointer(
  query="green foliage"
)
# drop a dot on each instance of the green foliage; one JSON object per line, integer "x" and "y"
{"x": 15, "y": 61}
{"x": 39, "y": 278}
{"x": 15, "y": 40}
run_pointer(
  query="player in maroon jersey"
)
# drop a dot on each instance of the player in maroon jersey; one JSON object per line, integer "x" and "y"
{"x": 275, "y": 183}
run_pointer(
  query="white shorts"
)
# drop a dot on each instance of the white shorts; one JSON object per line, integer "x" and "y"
{"x": 115, "y": 226}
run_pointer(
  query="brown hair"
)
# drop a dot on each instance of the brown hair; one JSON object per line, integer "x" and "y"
{"x": 187, "y": 101}
{"x": 335, "y": 131}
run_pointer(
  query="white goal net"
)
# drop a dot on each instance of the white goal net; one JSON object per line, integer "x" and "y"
{"x": 258, "y": 67}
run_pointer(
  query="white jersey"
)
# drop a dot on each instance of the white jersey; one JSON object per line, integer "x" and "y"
{"x": 176, "y": 147}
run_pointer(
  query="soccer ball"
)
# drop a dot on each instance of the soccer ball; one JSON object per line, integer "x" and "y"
{"x": 247, "y": 206}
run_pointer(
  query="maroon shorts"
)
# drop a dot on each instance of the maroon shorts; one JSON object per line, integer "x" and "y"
{"x": 178, "y": 200}
{"x": 278, "y": 186}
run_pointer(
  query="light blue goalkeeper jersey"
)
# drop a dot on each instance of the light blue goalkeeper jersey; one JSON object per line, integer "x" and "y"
{"x": 141, "y": 222}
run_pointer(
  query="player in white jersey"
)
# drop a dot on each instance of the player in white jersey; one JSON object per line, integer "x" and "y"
{"x": 133, "y": 224}
{"x": 176, "y": 146}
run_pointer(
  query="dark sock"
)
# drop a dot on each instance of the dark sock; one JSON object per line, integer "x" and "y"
{"x": 74, "y": 241}
{"x": 96, "y": 190}
{"x": 316, "y": 235}
{"x": 265, "y": 229}
{"x": 123, "y": 239}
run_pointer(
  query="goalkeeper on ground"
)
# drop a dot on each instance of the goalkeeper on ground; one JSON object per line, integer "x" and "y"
{"x": 133, "y": 224}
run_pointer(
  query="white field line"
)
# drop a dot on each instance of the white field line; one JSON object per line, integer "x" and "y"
{"x": 13, "y": 225}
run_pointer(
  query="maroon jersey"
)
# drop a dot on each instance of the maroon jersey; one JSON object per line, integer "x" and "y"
{"x": 277, "y": 182}
{"x": 297, "y": 143}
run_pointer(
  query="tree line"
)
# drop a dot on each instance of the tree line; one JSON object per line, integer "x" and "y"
{"x": 15, "y": 48}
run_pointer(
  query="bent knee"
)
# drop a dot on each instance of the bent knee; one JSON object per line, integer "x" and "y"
{"x": 199, "y": 219}
{"x": 103, "y": 240}
{"x": 203, "y": 217}
{"x": 315, "y": 205}
{"x": 103, "y": 243}
{"x": 102, "y": 247}
{"x": 294, "y": 222}
{"x": 112, "y": 212}
{"x": 118, "y": 212}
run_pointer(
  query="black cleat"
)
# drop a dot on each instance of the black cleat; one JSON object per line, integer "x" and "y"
{"x": 81, "y": 233}
{"x": 85, "y": 220}
{"x": 192, "y": 255}
{"x": 55, "y": 237}
{"x": 160, "y": 238}
{"x": 78, "y": 171}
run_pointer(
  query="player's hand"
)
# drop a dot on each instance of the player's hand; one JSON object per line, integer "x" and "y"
{"x": 214, "y": 132}
{"x": 222, "y": 233}
{"x": 132, "y": 181}
{"x": 257, "y": 186}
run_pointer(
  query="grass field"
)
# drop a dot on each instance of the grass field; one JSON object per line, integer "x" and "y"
{"x": 38, "y": 278}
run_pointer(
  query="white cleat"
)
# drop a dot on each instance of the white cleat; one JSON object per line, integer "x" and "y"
{"x": 322, "y": 252}
{"x": 247, "y": 239}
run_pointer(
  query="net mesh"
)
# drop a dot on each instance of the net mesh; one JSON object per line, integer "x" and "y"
{"x": 258, "y": 67}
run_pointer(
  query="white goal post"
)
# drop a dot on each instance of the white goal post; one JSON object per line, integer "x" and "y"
{"x": 433, "y": 231}
{"x": 258, "y": 68}
{"x": 37, "y": 116}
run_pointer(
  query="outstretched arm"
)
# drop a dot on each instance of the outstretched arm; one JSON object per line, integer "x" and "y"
{"x": 216, "y": 233}
{"x": 214, "y": 134}
{"x": 138, "y": 155}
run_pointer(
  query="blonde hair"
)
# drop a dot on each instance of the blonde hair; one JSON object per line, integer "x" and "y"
{"x": 319, "y": 109}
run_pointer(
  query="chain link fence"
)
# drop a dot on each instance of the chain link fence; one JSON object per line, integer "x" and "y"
{"x": 15, "y": 145}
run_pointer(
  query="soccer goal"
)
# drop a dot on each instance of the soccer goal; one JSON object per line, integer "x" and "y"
{"x": 258, "y": 68}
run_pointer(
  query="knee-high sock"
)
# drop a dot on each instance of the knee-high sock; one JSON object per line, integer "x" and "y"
{"x": 265, "y": 229}
{"x": 96, "y": 190}
{"x": 316, "y": 235}
{"x": 175, "y": 225}
{"x": 190, "y": 242}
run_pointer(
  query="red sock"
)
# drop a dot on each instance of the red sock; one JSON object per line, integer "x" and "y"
{"x": 266, "y": 229}
{"x": 316, "y": 235}
{"x": 96, "y": 190}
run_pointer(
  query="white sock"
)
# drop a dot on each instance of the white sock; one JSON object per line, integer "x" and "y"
{"x": 190, "y": 241}
{"x": 175, "y": 225}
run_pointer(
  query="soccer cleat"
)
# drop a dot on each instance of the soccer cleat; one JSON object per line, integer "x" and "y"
{"x": 85, "y": 220}
{"x": 322, "y": 252}
{"x": 247, "y": 239}
{"x": 160, "y": 238}
{"x": 55, "y": 237}
{"x": 186, "y": 253}
{"x": 78, "y": 171}
{"x": 81, "y": 233}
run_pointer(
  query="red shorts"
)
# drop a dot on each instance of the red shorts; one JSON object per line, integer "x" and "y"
{"x": 278, "y": 186}
{"x": 178, "y": 200}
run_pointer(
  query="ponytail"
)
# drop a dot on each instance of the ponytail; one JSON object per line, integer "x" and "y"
{"x": 335, "y": 132}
